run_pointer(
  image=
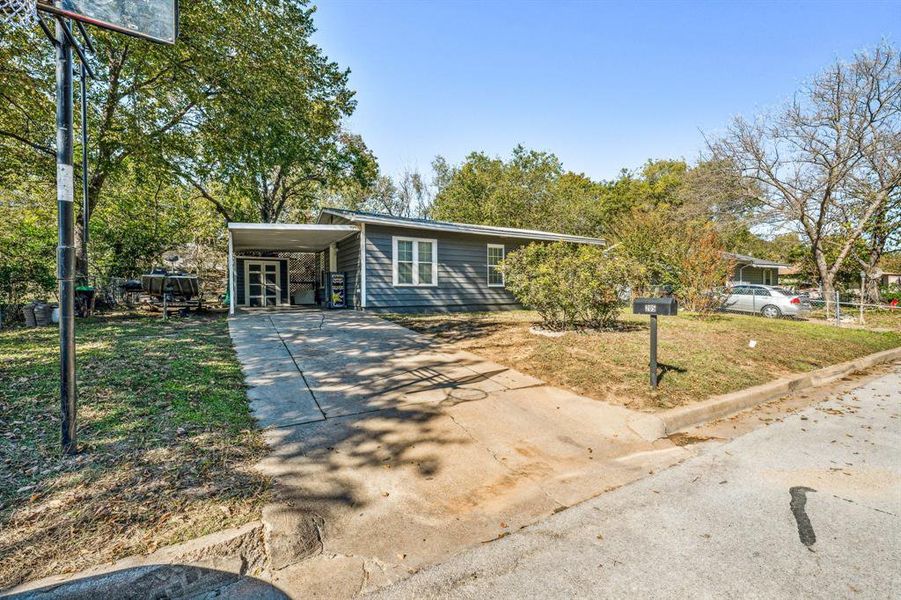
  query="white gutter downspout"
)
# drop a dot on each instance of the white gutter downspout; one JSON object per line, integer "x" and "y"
{"x": 363, "y": 266}
{"x": 231, "y": 275}
{"x": 741, "y": 276}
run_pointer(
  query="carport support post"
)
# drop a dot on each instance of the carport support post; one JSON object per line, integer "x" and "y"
{"x": 231, "y": 275}
{"x": 654, "y": 351}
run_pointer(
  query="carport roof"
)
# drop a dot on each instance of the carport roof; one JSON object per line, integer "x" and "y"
{"x": 287, "y": 236}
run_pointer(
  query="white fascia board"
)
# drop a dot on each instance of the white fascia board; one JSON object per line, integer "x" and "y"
{"x": 292, "y": 227}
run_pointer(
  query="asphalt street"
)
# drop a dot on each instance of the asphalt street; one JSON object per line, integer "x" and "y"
{"x": 809, "y": 507}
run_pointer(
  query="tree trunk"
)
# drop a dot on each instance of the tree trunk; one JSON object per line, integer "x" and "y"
{"x": 827, "y": 278}
{"x": 870, "y": 267}
{"x": 829, "y": 296}
{"x": 871, "y": 291}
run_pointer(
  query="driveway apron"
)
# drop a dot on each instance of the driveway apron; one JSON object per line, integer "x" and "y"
{"x": 400, "y": 453}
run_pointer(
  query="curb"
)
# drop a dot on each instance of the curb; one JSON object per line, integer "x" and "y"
{"x": 652, "y": 427}
{"x": 237, "y": 552}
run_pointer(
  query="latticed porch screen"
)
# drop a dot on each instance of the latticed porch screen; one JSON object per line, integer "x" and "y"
{"x": 302, "y": 270}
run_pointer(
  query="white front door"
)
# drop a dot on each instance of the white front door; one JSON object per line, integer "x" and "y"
{"x": 261, "y": 281}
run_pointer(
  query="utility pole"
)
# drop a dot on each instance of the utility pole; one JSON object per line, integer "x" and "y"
{"x": 65, "y": 251}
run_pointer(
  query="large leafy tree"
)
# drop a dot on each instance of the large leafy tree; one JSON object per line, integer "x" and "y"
{"x": 271, "y": 139}
{"x": 530, "y": 190}
{"x": 244, "y": 108}
{"x": 144, "y": 94}
{"x": 142, "y": 220}
{"x": 27, "y": 240}
{"x": 828, "y": 165}
{"x": 493, "y": 191}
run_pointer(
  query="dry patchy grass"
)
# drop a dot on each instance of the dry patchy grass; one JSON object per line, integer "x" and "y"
{"x": 700, "y": 357}
{"x": 167, "y": 444}
{"x": 876, "y": 319}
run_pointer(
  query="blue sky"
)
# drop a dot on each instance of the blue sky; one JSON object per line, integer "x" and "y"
{"x": 605, "y": 86}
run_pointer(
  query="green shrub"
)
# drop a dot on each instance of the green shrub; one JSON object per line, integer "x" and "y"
{"x": 570, "y": 285}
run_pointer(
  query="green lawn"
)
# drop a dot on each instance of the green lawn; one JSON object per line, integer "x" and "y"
{"x": 702, "y": 357}
{"x": 167, "y": 443}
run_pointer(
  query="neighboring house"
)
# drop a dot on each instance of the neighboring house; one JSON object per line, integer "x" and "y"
{"x": 390, "y": 263}
{"x": 749, "y": 269}
{"x": 890, "y": 279}
{"x": 794, "y": 277}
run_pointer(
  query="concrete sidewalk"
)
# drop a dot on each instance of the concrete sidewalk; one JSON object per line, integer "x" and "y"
{"x": 390, "y": 455}
{"x": 807, "y": 507}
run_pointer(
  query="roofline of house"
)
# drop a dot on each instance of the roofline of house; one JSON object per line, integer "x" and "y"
{"x": 510, "y": 232}
{"x": 290, "y": 227}
{"x": 752, "y": 261}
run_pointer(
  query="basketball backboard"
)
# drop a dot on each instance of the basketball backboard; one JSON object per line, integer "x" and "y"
{"x": 155, "y": 20}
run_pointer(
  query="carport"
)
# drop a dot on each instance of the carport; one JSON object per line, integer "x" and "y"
{"x": 260, "y": 255}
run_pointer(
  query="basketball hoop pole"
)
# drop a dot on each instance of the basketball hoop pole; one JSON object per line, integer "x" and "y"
{"x": 86, "y": 206}
{"x": 65, "y": 251}
{"x": 26, "y": 11}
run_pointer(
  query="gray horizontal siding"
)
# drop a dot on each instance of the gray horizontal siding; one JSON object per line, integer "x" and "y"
{"x": 462, "y": 273}
{"x": 349, "y": 262}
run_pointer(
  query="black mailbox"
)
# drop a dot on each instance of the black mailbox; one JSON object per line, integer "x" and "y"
{"x": 655, "y": 306}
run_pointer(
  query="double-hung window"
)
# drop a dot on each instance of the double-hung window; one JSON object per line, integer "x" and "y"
{"x": 495, "y": 256}
{"x": 415, "y": 262}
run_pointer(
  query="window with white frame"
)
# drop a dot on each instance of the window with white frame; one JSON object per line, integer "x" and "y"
{"x": 415, "y": 261}
{"x": 495, "y": 256}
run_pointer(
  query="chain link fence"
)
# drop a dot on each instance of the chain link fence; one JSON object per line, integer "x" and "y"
{"x": 854, "y": 311}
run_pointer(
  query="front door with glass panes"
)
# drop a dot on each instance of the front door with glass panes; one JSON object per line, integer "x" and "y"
{"x": 263, "y": 288}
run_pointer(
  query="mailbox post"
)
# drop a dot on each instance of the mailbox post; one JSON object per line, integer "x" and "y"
{"x": 654, "y": 307}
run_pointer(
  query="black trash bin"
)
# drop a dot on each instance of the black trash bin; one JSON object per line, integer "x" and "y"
{"x": 28, "y": 312}
{"x": 84, "y": 300}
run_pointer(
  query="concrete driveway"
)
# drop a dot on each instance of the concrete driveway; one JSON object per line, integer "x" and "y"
{"x": 805, "y": 508}
{"x": 390, "y": 454}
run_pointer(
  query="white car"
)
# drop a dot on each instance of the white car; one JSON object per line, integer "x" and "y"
{"x": 767, "y": 300}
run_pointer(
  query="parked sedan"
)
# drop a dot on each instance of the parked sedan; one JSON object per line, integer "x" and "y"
{"x": 767, "y": 300}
